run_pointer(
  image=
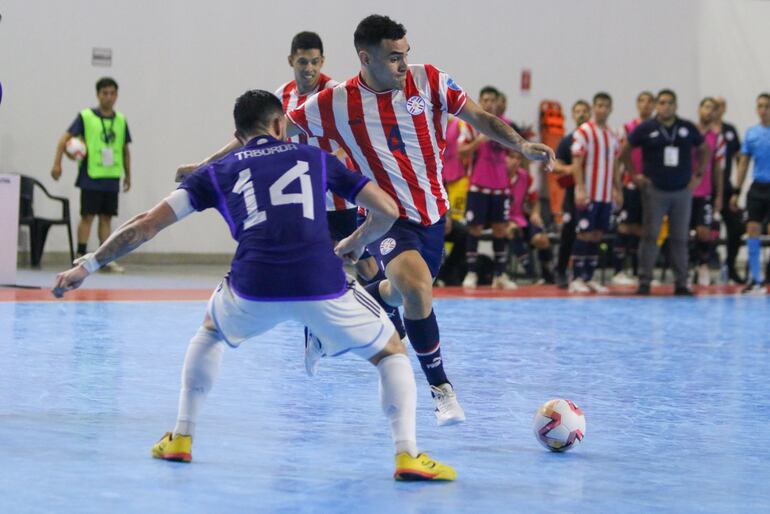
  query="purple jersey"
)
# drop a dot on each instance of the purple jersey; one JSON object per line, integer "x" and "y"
{"x": 272, "y": 196}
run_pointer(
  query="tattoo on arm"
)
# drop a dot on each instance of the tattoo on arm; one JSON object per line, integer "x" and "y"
{"x": 127, "y": 238}
{"x": 503, "y": 133}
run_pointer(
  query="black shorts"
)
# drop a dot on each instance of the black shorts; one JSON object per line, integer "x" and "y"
{"x": 758, "y": 202}
{"x": 342, "y": 223}
{"x": 568, "y": 206}
{"x": 702, "y": 212}
{"x": 98, "y": 202}
{"x": 482, "y": 208}
{"x": 632, "y": 207}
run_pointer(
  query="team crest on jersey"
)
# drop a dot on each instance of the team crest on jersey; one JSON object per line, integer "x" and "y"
{"x": 415, "y": 105}
{"x": 387, "y": 245}
{"x": 451, "y": 84}
{"x": 730, "y": 135}
{"x": 683, "y": 132}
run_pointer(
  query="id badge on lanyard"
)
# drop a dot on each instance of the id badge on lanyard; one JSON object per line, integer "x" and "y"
{"x": 671, "y": 156}
{"x": 108, "y": 157}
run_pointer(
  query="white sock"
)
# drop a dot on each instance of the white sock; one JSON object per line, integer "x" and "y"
{"x": 398, "y": 396}
{"x": 201, "y": 367}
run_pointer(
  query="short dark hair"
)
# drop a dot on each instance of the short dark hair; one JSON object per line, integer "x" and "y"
{"x": 106, "y": 82}
{"x": 581, "y": 102}
{"x": 707, "y": 99}
{"x": 374, "y": 28}
{"x": 763, "y": 95}
{"x": 648, "y": 94}
{"x": 601, "y": 95}
{"x": 669, "y": 92}
{"x": 489, "y": 89}
{"x": 254, "y": 109}
{"x": 307, "y": 41}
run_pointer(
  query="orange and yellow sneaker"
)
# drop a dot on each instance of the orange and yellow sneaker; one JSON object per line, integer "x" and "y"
{"x": 422, "y": 467}
{"x": 170, "y": 447}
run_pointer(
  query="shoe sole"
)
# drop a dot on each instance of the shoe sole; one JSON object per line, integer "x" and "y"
{"x": 450, "y": 422}
{"x": 174, "y": 457}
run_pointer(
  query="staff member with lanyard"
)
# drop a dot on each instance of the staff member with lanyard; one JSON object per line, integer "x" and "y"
{"x": 106, "y": 136}
{"x": 666, "y": 142}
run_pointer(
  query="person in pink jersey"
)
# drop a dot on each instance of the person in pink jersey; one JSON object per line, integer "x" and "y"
{"x": 626, "y": 242}
{"x": 597, "y": 186}
{"x": 456, "y": 166}
{"x": 391, "y": 121}
{"x": 488, "y": 198}
{"x": 525, "y": 224}
{"x": 708, "y": 192}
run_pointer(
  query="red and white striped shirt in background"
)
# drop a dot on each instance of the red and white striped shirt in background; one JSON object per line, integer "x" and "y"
{"x": 599, "y": 147}
{"x": 291, "y": 99}
{"x": 394, "y": 137}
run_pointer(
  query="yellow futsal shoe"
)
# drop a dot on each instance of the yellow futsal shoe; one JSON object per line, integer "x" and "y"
{"x": 422, "y": 467}
{"x": 177, "y": 448}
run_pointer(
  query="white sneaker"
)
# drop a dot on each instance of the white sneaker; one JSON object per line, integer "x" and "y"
{"x": 504, "y": 282}
{"x": 621, "y": 279}
{"x": 471, "y": 280}
{"x": 754, "y": 289}
{"x": 597, "y": 287}
{"x": 704, "y": 275}
{"x": 448, "y": 410}
{"x": 578, "y": 286}
{"x": 313, "y": 353}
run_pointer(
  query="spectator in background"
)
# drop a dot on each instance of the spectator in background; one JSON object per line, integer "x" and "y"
{"x": 707, "y": 195}
{"x": 756, "y": 146}
{"x": 456, "y": 166}
{"x": 732, "y": 218}
{"x": 595, "y": 150}
{"x": 106, "y": 136}
{"x": 487, "y": 198}
{"x": 630, "y": 217}
{"x": 581, "y": 113}
{"x": 667, "y": 182}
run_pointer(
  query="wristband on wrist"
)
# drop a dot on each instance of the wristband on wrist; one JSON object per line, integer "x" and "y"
{"x": 91, "y": 264}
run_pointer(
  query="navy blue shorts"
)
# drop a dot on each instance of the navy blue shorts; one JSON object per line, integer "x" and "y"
{"x": 702, "y": 212}
{"x": 533, "y": 230}
{"x": 341, "y": 223}
{"x": 406, "y": 235}
{"x": 594, "y": 217}
{"x": 632, "y": 207}
{"x": 483, "y": 208}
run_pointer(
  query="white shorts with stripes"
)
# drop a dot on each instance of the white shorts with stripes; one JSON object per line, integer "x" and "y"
{"x": 352, "y": 322}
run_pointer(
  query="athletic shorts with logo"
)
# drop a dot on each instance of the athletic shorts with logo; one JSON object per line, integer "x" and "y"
{"x": 406, "y": 235}
{"x": 351, "y": 322}
{"x": 487, "y": 207}
{"x": 596, "y": 216}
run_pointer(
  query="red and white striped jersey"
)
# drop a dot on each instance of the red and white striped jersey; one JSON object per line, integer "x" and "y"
{"x": 291, "y": 99}
{"x": 395, "y": 137}
{"x": 599, "y": 147}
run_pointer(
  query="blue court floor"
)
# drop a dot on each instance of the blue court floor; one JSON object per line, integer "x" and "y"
{"x": 675, "y": 393}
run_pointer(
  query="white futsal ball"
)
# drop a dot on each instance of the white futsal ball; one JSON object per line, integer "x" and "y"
{"x": 76, "y": 148}
{"x": 559, "y": 425}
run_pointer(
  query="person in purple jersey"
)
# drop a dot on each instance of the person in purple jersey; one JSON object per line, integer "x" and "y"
{"x": 272, "y": 195}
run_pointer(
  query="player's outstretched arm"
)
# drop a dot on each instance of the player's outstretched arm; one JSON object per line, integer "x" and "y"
{"x": 497, "y": 130}
{"x": 130, "y": 235}
{"x": 383, "y": 212}
{"x": 185, "y": 169}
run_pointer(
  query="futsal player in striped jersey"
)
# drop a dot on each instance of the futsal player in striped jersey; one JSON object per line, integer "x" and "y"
{"x": 271, "y": 194}
{"x": 391, "y": 121}
{"x": 595, "y": 151}
{"x": 630, "y": 217}
{"x": 707, "y": 196}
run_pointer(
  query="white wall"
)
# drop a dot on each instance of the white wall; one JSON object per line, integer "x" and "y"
{"x": 180, "y": 64}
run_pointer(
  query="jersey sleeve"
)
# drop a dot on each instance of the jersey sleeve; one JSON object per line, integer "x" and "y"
{"x": 452, "y": 96}
{"x": 745, "y": 146}
{"x": 77, "y": 128}
{"x": 721, "y": 149}
{"x": 636, "y": 136}
{"x": 341, "y": 180}
{"x": 563, "y": 151}
{"x": 578, "y": 143}
{"x": 308, "y": 116}
{"x": 201, "y": 188}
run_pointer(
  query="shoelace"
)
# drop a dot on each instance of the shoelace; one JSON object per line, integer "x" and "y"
{"x": 443, "y": 398}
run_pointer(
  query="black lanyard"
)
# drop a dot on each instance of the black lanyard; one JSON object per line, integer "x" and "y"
{"x": 108, "y": 135}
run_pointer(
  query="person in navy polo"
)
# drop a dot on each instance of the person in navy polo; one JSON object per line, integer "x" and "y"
{"x": 667, "y": 142}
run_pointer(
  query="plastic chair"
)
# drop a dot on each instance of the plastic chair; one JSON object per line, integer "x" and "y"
{"x": 38, "y": 227}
